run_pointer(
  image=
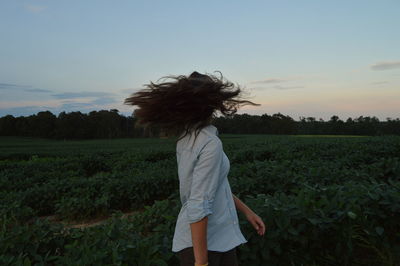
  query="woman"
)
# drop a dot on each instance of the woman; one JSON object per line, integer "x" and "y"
{"x": 207, "y": 229}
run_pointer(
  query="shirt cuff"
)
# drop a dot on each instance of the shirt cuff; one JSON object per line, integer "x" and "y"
{"x": 198, "y": 209}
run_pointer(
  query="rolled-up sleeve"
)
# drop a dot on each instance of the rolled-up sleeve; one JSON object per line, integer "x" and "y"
{"x": 205, "y": 181}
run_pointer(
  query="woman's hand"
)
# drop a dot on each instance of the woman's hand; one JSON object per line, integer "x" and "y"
{"x": 256, "y": 221}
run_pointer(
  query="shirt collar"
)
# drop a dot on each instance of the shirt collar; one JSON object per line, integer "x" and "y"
{"x": 212, "y": 129}
{"x": 209, "y": 128}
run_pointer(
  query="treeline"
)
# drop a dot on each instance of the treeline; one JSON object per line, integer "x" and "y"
{"x": 281, "y": 124}
{"x": 110, "y": 124}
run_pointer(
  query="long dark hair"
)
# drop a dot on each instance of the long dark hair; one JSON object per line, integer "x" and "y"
{"x": 185, "y": 104}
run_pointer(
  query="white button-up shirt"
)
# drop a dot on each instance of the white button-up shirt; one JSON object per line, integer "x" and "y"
{"x": 205, "y": 191}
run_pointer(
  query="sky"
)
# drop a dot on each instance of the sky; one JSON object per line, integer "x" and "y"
{"x": 298, "y": 58}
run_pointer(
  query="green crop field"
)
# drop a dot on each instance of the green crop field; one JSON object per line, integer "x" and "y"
{"x": 326, "y": 200}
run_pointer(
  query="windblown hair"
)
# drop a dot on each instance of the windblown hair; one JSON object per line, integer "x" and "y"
{"x": 186, "y": 103}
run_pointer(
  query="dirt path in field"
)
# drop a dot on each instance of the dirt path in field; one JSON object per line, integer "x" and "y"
{"x": 87, "y": 223}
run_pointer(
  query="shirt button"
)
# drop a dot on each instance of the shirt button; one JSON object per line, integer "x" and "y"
{"x": 234, "y": 222}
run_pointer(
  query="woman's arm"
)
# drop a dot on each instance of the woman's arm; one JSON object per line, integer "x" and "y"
{"x": 241, "y": 206}
{"x": 199, "y": 240}
{"x": 206, "y": 174}
{"x": 251, "y": 216}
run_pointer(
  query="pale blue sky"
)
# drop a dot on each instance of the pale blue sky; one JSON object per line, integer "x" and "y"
{"x": 300, "y": 58}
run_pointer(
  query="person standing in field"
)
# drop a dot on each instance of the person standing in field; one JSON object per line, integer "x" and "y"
{"x": 207, "y": 229}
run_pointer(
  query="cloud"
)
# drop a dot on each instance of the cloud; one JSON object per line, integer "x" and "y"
{"x": 34, "y": 109}
{"x": 85, "y": 107}
{"x": 279, "y": 87}
{"x": 274, "y": 80}
{"x": 379, "y": 82}
{"x": 269, "y": 81}
{"x": 9, "y": 86}
{"x": 34, "y": 8}
{"x": 73, "y": 106}
{"x": 85, "y": 101}
{"x": 104, "y": 100}
{"x": 385, "y": 65}
{"x": 28, "y": 88}
{"x": 85, "y": 94}
{"x": 23, "y": 110}
{"x": 62, "y": 102}
{"x": 37, "y": 90}
{"x": 76, "y": 100}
